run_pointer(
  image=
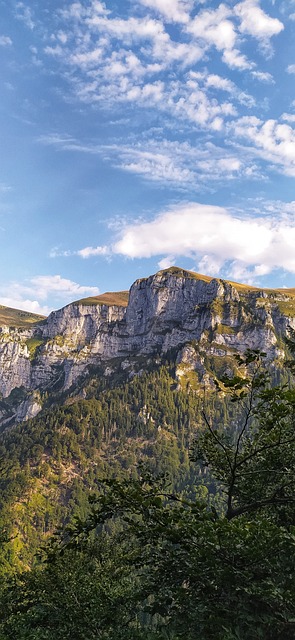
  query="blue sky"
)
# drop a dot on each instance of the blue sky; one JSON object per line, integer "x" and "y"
{"x": 140, "y": 134}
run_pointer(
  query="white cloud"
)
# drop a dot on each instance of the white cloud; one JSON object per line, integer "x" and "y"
{"x": 180, "y": 164}
{"x": 55, "y": 252}
{"x": 24, "y": 13}
{"x": 88, "y": 252}
{"x": 255, "y": 22}
{"x": 87, "y": 59}
{"x": 54, "y": 51}
{"x": 260, "y": 207}
{"x": 262, "y": 269}
{"x": 215, "y": 237}
{"x": 62, "y": 36}
{"x": 132, "y": 62}
{"x": 210, "y": 264}
{"x": 5, "y": 41}
{"x": 167, "y": 162}
{"x": 41, "y": 293}
{"x": 78, "y": 12}
{"x": 238, "y": 272}
{"x": 46, "y": 285}
{"x": 173, "y": 10}
{"x": 111, "y": 60}
{"x": 214, "y": 27}
{"x": 217, "y": 27}
{"x": 158, "y": 167}
{"x": 129, "y": 30}
{"x": 270, "y": 140}
{"x": 291, "y": 68}
{"x": 288, "y": 117}
{"x": 17, "y": 302}
{"x": 192, "y": 228}
{"x": 236, "y": 60}
{"x": 166, "y": 262}
{"x": 263, "y": 76}
{"x": 214, "y": 81}
{"x": 158, "y": 44}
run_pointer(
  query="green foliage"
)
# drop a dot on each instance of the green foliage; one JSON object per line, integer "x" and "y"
{"x": 255, "y": 461}
{"x": 160, "y": 557}
{"x": 117, "y": 298}
{"x": 49, "y": 464}
{"x": 80, "y": 595}
{"x": 33, "y": 344}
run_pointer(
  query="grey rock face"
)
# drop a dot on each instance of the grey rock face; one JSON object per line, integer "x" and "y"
{"x": 165, "y": 311}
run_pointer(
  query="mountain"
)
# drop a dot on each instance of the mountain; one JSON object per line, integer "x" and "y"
{"x": 203, "y": 320}
{"x": 109, "y": 381}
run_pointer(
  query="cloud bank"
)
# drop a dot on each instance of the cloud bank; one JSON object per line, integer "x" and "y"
{"x": 217, "y": 239}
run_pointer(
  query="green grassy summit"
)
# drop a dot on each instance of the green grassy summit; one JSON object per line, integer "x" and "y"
{"x": 184, "y": 273}
{"x": 117, "y": 298}
{"x": 17, "y": 317}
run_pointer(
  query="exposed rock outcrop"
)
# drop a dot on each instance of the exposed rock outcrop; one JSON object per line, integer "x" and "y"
{"x": 169, "y": 310}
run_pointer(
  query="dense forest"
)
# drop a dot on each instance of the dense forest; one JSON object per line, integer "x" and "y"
{"x": 146, "y": 510}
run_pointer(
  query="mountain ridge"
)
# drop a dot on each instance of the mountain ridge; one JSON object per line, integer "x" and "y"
{"x": 18, "y": 317}
{"x": 96, "y": 387}
{"x": 14, "y": 317}
{"x": 196, "y": 316}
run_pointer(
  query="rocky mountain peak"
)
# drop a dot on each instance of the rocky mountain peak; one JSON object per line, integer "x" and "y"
{"x": 170, "y": 310}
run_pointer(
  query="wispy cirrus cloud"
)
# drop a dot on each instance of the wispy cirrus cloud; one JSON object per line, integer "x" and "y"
{"x": 180, "y": 164}
{"x": 167, "y": 162}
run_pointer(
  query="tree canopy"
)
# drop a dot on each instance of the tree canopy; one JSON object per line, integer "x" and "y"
{"x": 149, "y": 563}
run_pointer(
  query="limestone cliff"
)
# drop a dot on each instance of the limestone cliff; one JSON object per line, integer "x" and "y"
{"x": 174, "y": 309}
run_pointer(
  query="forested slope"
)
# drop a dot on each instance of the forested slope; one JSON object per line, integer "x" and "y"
{"x": 50, "y": 464}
